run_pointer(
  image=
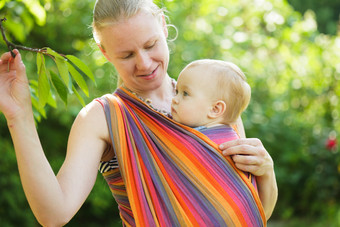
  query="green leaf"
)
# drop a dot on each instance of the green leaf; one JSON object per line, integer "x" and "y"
{"x": 43, "y": 84}
{"x": 2, "y": 4}
{"x": 62, "y": 67}
{"x": 63, "y": 71}
{"x": 81, "y": 100}
{"x": 51, "y": 100}
{"x": 17, "y": 29}
{"x": 59, "y": 86}
{"x": 36, "y": 105}
{"x": 37, "y": 10}
{"x": 34, "y": 88}
{"x": 38, "y": 111}
{"x": 81, "y": 66}
{"x": 53, "y": 53}
{"x": 78, "y": 78}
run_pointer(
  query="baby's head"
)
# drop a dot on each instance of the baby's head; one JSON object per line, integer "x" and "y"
{"x": 210, "y": 92}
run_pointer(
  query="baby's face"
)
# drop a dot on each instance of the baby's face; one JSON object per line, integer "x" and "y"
{"x": 192, "y": 102}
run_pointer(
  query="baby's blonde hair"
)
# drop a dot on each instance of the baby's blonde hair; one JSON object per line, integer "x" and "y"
{"x": 231, "y": 86}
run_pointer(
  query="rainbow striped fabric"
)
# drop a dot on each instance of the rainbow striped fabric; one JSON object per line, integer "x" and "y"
{"x": 223, "y": 133}
{"x": 175, "y": 175}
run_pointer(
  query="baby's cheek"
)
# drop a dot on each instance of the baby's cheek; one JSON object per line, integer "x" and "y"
{"x": 174, "y": 116}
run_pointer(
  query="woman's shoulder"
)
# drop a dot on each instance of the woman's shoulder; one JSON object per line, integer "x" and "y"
{"x": 92, "y": 117}
{"x": 93, "y": 109}
{"x": 103, "y": 100}
{"x": 89, "y": 136}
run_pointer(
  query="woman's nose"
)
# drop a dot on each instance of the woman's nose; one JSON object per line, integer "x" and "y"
{"x": 143, "y": 61}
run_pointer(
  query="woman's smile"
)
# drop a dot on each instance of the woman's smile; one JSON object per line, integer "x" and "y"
{"x": 151, "y": 75}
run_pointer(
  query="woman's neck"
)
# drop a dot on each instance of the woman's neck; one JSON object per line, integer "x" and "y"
{"x": 159, "y": 98}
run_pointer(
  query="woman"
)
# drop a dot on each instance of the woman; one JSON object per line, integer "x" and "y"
{"x": 132, "y": 35}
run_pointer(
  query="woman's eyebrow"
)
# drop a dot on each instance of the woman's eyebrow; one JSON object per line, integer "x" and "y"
{"x": 150, "y": 40}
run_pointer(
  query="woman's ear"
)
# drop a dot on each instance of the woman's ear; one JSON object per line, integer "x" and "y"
{"x": 217, "y": 109}
{"x": 103, "y": 51}
{"x": 165, "y": 27}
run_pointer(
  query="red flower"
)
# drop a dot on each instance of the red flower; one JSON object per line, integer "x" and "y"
{"x": 331, "y": 143}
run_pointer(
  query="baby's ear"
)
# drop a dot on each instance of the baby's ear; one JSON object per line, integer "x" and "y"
{"x": 217, "y": 109}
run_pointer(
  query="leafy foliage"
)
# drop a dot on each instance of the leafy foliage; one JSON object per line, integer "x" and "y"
{"x": 70, "y": 69}
{"x": 292, "y": 68}
{"x": 327, "y": 13}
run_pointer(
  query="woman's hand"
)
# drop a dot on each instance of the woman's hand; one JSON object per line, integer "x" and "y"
{"x": 250, "y": 156}
{"x": 14, "y": 88}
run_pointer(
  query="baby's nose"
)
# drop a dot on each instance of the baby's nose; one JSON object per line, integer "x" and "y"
{"x": 174, "y": 100}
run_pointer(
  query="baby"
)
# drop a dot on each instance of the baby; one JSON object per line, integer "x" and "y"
{"x": 210, "y": 97}
{"x": 211, "y": 94}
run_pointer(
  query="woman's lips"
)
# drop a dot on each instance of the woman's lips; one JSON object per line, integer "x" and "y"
{"x": 151, "y": 75}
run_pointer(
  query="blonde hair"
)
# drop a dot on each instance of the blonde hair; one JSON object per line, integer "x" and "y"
{"x": 107, "y": 12}
{"x": 231, "y": 86}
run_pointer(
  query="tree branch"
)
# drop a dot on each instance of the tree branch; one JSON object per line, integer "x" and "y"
{"x": 12, "y": 46}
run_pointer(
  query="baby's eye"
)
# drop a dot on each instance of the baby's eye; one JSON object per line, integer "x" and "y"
{"x": 176, "y": 91}
{"x": 185, "y": 93}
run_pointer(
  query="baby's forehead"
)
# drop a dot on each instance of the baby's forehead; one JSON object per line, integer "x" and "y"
{"x": 203, "y": 73}
{"x": 197, "y": 70}
{"x": 197, "y": 66}
{"x": 198, "y": 76}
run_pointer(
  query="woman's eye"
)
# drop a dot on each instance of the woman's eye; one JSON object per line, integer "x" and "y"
{"x": 185, "y": 93}
{"x": 150, "y": 46}
{"x": 127, "y": 56}
{"x": 176, "y": 91}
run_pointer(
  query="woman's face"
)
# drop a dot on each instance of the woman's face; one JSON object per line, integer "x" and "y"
{"x": 137, "y": 48}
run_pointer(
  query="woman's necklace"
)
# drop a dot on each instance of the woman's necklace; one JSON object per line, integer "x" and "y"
{"x": 149, "y": 101}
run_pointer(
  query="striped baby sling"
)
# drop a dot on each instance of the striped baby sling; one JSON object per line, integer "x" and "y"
{"x": 173, "y": 174}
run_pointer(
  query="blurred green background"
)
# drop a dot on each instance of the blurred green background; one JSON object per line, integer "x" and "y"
{"x": 290, "y": 52}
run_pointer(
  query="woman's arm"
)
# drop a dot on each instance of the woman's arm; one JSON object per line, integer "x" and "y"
{"x": 250, "y": 155}
{"x": 53, "y": 199}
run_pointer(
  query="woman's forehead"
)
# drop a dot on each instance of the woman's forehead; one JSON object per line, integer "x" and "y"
{"x": 136, "y": 30}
